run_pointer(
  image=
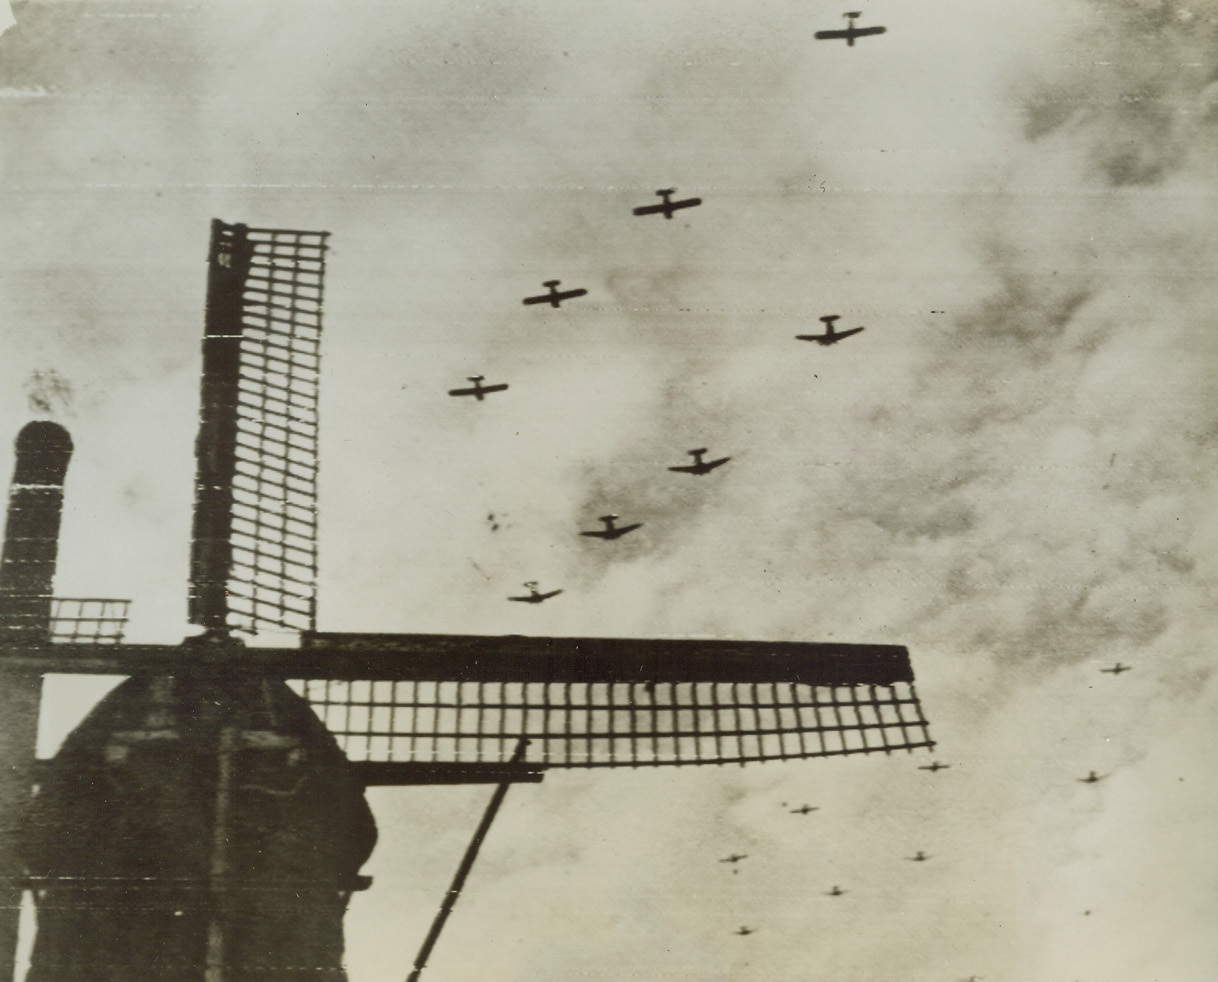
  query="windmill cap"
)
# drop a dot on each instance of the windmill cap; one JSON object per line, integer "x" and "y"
{"x": 43, "y": 450}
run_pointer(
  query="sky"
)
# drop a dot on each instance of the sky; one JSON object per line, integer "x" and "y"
{"x": 1011, "y": 470}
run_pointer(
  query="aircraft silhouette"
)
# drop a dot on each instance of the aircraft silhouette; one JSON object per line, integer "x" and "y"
{"x": 805, "y": 809}
{"x": 851, "y": 32}
{"x": 555, "y": 296}
{"x": 933, "y": 766}
{"x": 1091, "y": 778}
{"x": 534, "y": 596}
{"x": 477, "y": 390}
{"x": 734, "y": 857}
{"x": 745, "y": 930}
{"x": 835, "y": 892}
{"x": 699, "y": 466}
{"x": 831, "y": 335}
{"x": 611, "y": 531}
{"x": 667, "y": 207}
{"x": 918, "y": 857}
{"x": 1116, "y": 669}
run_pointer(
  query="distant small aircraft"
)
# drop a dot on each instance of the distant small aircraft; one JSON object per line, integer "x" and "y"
{"x": 831, "y": 335}
{"x": 973, "y": 978}
{"x": 1091, "y": 778}
{"x": 477, "y": 390}
{"x": 534, "y": 596}
{"x": 1117, "y": 669}
{"x": 851, "y": 32}
{"x": 667, "y": 206}
{"x": 699, "y": 466}
{"x": 611, "y": 531}
{"x": 835, "y": 892}
{"x": 734, "y": 857}
{"x": 745, "y": 930}
{"x": 803, "y": 810}
{"x": 933, "y": 766}
{"x": 918, "y": 857}
{"x": 555, "y": 296}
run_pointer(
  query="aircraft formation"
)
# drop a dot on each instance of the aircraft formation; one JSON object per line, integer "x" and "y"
{"x": 829, "y": 335}
{"x": 555, "y": 298}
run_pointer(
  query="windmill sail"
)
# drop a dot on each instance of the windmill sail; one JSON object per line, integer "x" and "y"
{"x": 442, "y": 708}
{"x": 612, "y": 702}
{"x": 254, "y": 552}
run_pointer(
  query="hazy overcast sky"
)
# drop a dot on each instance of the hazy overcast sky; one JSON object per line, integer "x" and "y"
{"x": 1011, "y": 470}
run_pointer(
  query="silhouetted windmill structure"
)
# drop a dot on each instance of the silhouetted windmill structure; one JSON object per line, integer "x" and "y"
{"x": 217, "y": 785}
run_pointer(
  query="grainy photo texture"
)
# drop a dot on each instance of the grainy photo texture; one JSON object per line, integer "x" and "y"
{"x": 653, "y": 491}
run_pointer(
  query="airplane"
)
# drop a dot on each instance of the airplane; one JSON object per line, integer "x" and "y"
{"x": 973, "y": 978}
{"x": 667, "y": 207}
{"x": 555, "y": 296}
{"x": 851, "y": 32}
{"x": 699, "y": 466}
{"x": 745, "y": 930}
{"x": 918, "y": 857}
{"x": 805, "y": 809}
{"x": 835, "y": 892}
{"x": 1116, "y": 669}
{"x": 1091, "y": 778}
{"x": 534, "y": 596}
{"x": 734, "y": 857}
{"x": 477, "y": 390}
{"x": 611, "y": 531}
{"x": 933, "y": 766}
{"x": 831, "y": 335}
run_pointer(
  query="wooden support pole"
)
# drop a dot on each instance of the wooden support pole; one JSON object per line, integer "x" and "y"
{"x": 467, "y": 863}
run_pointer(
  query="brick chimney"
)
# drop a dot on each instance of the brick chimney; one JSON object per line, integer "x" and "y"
{"x": 31, "y": 534}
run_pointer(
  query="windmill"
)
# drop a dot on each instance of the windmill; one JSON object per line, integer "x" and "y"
{"x": 209, "y": 737}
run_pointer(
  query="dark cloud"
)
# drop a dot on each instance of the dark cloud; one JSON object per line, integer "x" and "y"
{"x": 1137, "y": 94}
{"x": 49, "y": 392}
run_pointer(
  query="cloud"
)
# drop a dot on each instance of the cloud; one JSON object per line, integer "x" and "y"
{"x": 1142, "y": 102}
{"x": 48, "y": 392}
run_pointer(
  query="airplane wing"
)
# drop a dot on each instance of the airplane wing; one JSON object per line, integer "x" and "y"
{"x": 465, "y": 392}
{"x": 812, "y": 337}
{"x": 651, "y": 209}
{"x": 846, "y": 334}
{"x": 571, "y": 294}
{"x": 495, "y": 388}
{"x": 831, "y": 35}
{"x": 541, "y": 299}
{"x": 598, "y": 534}
{"x": 865, "y": 31}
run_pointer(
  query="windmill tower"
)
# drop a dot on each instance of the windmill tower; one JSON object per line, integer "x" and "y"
{"x": 207, "y": 735}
